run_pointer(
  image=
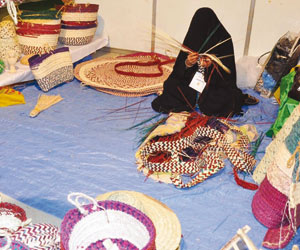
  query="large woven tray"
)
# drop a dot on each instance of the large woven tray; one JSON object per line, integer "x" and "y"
{"x": 100, "y": 74}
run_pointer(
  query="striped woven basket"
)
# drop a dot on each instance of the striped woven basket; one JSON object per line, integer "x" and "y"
{"x": 80, "y": 12}
{"x": 35, "y": 38}
{"x": 77, "y": 35}
{"x": 53, "y": 68}
{"x": 38, "y": 236}
{"x": 106, "y": 225}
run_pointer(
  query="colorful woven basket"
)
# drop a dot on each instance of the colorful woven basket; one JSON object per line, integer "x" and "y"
{"x": 12, "y": 217}
{"x": 6, "y": 243}
{"x": 77, "y": 35}
{"x": 166, "y": 222}
{"x": 36, "y": 38}
{"x": 38, "y": 236}
{"x": 52, "y": 69}
{"x": 80, "y": 12}
{"x": 105, "y": 223}
{"x": 79, "y": 24}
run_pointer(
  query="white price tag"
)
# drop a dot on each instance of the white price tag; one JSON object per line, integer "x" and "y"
{"x": 198, "y": 83}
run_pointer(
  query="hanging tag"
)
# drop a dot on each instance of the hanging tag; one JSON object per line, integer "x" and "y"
{"x": 198, "y": 83}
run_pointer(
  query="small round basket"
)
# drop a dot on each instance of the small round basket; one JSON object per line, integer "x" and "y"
{"x": 12, "y": 217}
{"x": 106, "y": 225}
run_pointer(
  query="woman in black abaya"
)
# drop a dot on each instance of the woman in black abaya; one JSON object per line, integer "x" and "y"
{"x": 221, "y": 96}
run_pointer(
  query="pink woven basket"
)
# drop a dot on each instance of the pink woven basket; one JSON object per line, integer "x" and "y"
{"x": 106, "y": 223}
{"x": 269, "y": 205}
{"x": 6, "y": 243}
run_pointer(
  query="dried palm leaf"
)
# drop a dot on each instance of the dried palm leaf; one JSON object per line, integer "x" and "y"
{"x": 164, "y": 37}
{"x": 44, "y": 102}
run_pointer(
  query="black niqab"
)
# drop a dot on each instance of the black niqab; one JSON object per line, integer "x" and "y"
{"x": 221, "y": 97}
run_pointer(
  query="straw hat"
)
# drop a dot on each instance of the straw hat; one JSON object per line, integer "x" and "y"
{"x": 130, "y": 80}
{"x": 167, "y": 225}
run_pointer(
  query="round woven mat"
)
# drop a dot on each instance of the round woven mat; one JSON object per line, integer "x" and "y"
{"x": 100, "y": 74}
{"x": 167, "y": 225}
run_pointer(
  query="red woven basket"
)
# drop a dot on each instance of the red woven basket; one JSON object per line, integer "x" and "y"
{"x": 12, "y": 215}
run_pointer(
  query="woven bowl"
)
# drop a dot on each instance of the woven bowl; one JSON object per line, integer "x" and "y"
{"x": 121, "y": 224}
{"x": 269, "y": 205}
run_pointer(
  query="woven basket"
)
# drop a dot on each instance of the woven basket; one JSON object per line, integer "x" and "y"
{"x": 269, "y": 205}
{"x": 52, "y": 69}
{"x": 77, "y": 35}
{"x": 39, "y": 236}
{"x": 80, "y": 12}
{"x": 12, "y": 217}
{"x": 7, "y": 243}
{"x": 103, "y": 223}
{"x": 35, "y": 38}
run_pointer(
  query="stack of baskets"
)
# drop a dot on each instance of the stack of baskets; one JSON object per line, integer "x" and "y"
{"x": 38, "y": 32}
{"x": 79, "y": 24}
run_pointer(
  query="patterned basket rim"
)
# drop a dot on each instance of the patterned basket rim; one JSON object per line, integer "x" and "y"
{"x": 73, "y": 216}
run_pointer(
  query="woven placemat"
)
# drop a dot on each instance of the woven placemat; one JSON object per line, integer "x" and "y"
{"x": 100, "y": 74}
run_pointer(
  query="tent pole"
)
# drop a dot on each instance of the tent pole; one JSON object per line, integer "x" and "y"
{"x": 154, "y": 4}
{"x": 249, "y": 27}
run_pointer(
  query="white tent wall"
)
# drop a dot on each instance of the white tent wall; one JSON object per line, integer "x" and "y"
{"x": 272, "y": 19}
{"x": 128, "y": 22}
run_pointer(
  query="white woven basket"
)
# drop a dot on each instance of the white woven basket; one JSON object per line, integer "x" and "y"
{"x": 108, "y": 223}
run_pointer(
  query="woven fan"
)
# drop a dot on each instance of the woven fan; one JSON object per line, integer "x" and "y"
{"x": 44, "y": 102}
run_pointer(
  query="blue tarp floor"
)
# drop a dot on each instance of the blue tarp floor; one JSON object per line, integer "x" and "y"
{"x": 78, "y": 146}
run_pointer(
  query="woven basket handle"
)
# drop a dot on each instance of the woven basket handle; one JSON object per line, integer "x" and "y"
{"x": 79, "y": 205}
{"x": 8, "y": 242}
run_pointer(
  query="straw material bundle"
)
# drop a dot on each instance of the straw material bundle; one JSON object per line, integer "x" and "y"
{"x": 44, "y": 102}
{"x": 170, "y": 41}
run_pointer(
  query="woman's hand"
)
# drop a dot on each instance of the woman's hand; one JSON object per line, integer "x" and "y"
{"x": 204, "y": 61}
{"x": 191, "y": 59}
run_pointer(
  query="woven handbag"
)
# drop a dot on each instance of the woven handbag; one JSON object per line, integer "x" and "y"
{"x": 53, "y": 68}
{"x": 105, "y": 225}
{"x": 12, "y": 217}
{"x": 38, "y": 236}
